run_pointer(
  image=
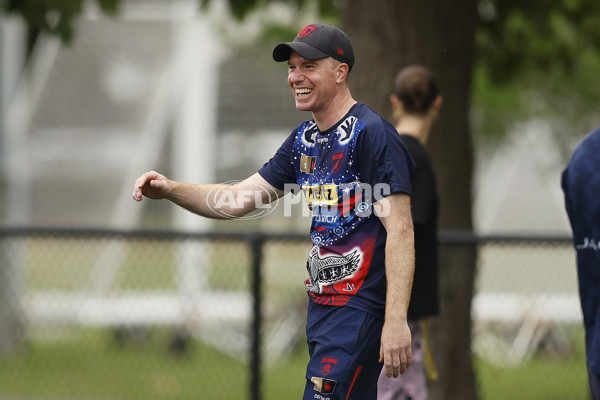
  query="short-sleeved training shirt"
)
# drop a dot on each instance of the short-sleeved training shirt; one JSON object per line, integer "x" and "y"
{"x": 342, "y": 172}
{"x": 581, "y": 186}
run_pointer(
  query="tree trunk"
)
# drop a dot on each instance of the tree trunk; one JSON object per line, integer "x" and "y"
{"x": 388, "y": 35}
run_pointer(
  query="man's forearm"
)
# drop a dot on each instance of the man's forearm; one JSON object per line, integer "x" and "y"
{"x": 395, "y": 352}
{"x": 400, "y": 261}
{"x": 223, "y": 201}
{"x": 197, "y": 199}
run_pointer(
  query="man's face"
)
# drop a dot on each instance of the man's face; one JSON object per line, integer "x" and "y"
{"x": 313, "y": 82}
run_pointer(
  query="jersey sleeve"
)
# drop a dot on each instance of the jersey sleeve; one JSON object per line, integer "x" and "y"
{"x": 279, "y": 170}
{"x": 384, "y": 159}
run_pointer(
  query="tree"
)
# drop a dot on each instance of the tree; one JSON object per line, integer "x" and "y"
{"x": 54, "y": 17}
{"x": 505, "y": 39}
{"x": 389, "y": 35}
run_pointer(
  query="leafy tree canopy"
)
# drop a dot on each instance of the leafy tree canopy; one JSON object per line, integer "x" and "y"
{"x": 512, "y": 36}
{"x": 53, "y": 16}
{"x": 531, "y": 54}
{"x": 516, "y": 35}
{"x": 537, "y": 58}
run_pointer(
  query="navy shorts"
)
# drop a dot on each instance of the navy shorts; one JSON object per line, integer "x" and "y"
{"x": 343, "y": 344}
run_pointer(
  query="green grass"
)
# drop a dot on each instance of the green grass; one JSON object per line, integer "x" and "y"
{"x": 91, "y": 365}
{"x": 544, "y": 377}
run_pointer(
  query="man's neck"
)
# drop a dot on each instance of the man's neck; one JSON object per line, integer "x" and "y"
{"x": 415, "y": 126}
{"x": 336, "y": 110}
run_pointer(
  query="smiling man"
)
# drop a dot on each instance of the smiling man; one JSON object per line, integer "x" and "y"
{"x": 356, "y": 175}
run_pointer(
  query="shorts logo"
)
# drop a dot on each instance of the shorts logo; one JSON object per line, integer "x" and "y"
{"x": 328, "y": 364}
{"x": 307, "y": 164}
{"x": 322, "y": 385}
{"x": 307, "y": 30}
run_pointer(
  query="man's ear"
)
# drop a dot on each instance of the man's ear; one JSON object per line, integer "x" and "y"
{"x": 342, "y": 73}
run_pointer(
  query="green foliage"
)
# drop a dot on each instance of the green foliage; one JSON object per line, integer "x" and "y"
{"x": 515, "y": 35}
{"x": 276, "y": 33}
{"x": 569, "y": 98}
{"x": 240, "y": 8}
{"x": 545, "y": 50}
{"x": 536, "y": 58}
{"x": 53, "y": 16}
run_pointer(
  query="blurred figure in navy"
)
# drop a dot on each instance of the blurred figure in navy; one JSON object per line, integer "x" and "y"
{"x": 581, "y": 185}
{"x": 416, "y": 102}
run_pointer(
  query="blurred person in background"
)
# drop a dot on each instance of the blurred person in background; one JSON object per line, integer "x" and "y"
{"x": 416, "y": 102}
{"x": 362, "y": 260}
{"x": 581, "y": 186}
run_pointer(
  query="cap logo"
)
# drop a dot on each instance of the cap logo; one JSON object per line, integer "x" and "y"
{"x": 307, "y": 30}
{"x": 340, "y": 51}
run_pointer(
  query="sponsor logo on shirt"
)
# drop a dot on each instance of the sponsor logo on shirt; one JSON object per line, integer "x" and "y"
{"x": 307, "y": 164}
{"x": 326, "y": 194}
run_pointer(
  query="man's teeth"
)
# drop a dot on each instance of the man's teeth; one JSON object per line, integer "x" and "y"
{"x": 303, "y": 92}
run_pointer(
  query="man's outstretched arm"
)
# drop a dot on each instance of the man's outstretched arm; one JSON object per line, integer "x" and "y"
{"x": 220, "y": 201}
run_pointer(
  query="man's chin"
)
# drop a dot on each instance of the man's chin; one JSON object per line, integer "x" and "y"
{"x": 300, "y": 106}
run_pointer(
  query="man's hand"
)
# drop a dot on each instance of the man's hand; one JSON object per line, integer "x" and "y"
{"x": 395, "y": 351}
{"x": 152, "y": 185}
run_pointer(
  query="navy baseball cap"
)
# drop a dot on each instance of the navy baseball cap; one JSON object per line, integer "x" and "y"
{"x": 318, "y": 41}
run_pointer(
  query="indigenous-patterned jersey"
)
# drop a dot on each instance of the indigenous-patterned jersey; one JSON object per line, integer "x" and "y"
{"x": 342, "y": 172}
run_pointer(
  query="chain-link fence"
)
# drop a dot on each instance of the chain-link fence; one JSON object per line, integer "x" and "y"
{"x": 162, "y": 315}
{"x": 528, "y": 339}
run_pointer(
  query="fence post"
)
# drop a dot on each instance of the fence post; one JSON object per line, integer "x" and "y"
{"x": 12, "y": 322}
{"x": 256, "y": 245}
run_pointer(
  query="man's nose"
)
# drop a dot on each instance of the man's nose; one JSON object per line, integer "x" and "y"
{"x": 295, "y": 75}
